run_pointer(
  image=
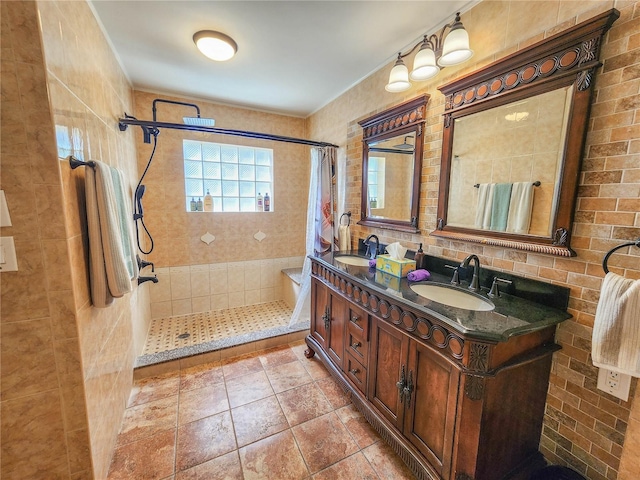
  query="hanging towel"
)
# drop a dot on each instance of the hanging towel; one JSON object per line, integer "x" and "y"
{"x": 500, "y": 206}
{"x": 520, "y": 207}
{"x": 616, "y": 331}
{"x": 344, "y": 238}
{"x": 109, "y": 275}
{"x": 125, "y": 216}
{"x": 483, "y": 210}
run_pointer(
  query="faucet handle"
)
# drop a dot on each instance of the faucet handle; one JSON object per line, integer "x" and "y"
{"x": 455, "y": 279}
{"x": 495, "y": 291}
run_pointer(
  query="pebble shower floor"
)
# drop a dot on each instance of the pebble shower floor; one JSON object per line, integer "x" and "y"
{"x": 168, "y": 333}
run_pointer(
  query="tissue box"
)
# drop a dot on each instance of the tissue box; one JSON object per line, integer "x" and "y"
{"x": 397, "y": 268}
{"x": 387, "y": 280}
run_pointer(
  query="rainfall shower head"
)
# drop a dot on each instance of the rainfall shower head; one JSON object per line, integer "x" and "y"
{"x": 405, "y": 145}
{"x": 199, "y": 121}
{"x": 196, "y": 121}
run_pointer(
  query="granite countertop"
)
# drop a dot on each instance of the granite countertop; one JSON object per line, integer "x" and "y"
{"x": 511, "y": 316}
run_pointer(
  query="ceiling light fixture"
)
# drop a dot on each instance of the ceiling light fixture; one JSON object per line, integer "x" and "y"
{"x": 215, "y": 45}
{"x": 435, "y": 53}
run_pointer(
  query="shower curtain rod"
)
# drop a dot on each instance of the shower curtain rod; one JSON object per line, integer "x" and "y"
{"x": 123, "y": 123}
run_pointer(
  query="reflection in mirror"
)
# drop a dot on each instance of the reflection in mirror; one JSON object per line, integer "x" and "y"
{"x": 518, "y": 163}
{"x": 390, "y": 170}
{"x": 391, "y": 164}
{"x": 512, "y": 142}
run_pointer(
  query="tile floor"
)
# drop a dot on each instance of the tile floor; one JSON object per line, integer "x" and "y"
{"x": 272, "y": 414}
{"x": 165, "y": 333}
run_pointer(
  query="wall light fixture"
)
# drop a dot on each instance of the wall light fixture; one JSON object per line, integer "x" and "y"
{"x": 436, "y": 52}
{"x": 215, "y": 45}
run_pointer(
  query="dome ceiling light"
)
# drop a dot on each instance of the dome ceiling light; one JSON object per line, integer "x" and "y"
{"x": 215, "y": 45}
{"x": 436, "y": 52}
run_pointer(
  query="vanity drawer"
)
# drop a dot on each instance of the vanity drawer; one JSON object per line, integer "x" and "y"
{"x": 356, "y": 372}
{"x": 356, "y": 344}
{"x": 359, "y": 320}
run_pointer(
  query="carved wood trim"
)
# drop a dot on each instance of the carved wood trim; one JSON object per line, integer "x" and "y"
{"x": 557, "y": 250}
{"x": 572, "y": 52}
{"x": 479, "y": 357}
{"x": 416, "y": 324}
{"x": 405, "y": 114}
{"x": 474, "y": 387}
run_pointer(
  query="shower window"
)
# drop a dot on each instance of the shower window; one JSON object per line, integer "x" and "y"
{"x": 234, "y": 175}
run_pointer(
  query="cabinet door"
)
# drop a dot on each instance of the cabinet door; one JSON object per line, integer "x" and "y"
{"x": 320, "y": 315}
{"x": 431, "y": 407}
{"x": 337, "y": 329}
{"x": 388, "y": 363}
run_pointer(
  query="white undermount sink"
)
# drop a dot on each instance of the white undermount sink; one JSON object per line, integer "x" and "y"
{"x": 453, "y": 297}
{"x": 353, "y": 260}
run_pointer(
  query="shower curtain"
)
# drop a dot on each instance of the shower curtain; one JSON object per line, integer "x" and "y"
{"x": 319, "y": 238}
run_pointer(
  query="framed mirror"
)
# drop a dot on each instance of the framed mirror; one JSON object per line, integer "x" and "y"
{"x": 513, "y": 140}
{"x": 391, "y": 166}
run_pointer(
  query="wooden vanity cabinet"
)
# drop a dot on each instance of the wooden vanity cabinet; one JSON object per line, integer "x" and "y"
{"x": 415, "y": 389}
{"x": 328, "y": 321}
{"x": 453, "y": 407}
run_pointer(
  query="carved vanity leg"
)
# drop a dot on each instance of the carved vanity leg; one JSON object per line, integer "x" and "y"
{"x": 309, "y": 352}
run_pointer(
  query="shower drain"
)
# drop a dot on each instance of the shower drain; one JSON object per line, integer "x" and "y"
{"x": 184, "y": 335}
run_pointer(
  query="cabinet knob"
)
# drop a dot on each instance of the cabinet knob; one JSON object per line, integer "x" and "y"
{"x": 355, "y": 345}
{"x": 355, "y": 318}
{"x": 354, "y": 371}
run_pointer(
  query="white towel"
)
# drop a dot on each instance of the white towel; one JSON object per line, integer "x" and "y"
{"x": 344, "y": 238}
{"x": 109, "y": 275}
{"x": 520, "y": 208}
{"x": 485, "y": 203}
{"x": 125, "y": 218}
{"x": 616, "y": 331}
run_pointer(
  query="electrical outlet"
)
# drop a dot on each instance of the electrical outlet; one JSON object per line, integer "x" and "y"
{"x": 614, "y": 383}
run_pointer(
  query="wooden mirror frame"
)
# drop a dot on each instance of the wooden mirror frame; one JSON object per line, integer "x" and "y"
{"x": 569, "y": 57}
{"x": 403, "y": 119}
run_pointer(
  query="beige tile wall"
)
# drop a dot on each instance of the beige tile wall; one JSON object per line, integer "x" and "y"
{"x": 200, "y": 288}
{"x": 584, "y": 428}
{"x": 43, "y": 419}
{"x": 177, "y": 233}
{"x": 67, "y": 367}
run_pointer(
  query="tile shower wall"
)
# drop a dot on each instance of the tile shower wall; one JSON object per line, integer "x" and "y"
{"x": 584, "y": 427}
{"x": 67, "y": 367}
{"x": 177, "y": 233}
{"x": 200, "y": 288}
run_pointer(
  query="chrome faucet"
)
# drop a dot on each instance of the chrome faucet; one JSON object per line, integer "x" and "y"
{"x": 367, "y": 242}
{"x": 475, "y": 280}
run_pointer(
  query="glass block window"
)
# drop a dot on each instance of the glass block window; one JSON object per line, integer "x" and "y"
{"x": 233, "y": 175}
{"x": 375, "y": 182}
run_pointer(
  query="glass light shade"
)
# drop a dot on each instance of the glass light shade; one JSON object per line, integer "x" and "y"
{"x": 398, "y": 78}
{"x": 424, "y": 65}
{"x": 215, "y": 45}
{"x": 456, "y": 48}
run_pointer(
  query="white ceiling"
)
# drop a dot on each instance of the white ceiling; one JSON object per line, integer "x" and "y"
{"x": 293, "y": 57}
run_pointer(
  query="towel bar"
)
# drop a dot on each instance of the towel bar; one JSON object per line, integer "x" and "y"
{"x": 75, "y": 163}
{"x": 535, "y": 184}
{"x": 606, "y": 257}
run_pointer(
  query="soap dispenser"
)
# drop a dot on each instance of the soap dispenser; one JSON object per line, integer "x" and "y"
{"x": 419, "y": 258}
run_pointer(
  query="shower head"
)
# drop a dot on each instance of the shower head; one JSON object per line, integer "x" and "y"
{"x": 199, "y": 121}
{"x": 405, "y": 145}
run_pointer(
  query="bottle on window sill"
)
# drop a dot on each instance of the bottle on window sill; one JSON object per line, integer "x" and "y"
{"x": 192, "y": 205}
{"x": 208, "y": 202}
{"x": 259, "y": 203}
{"x": 199, "y": 204}
{"x": 267, "y": 202}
